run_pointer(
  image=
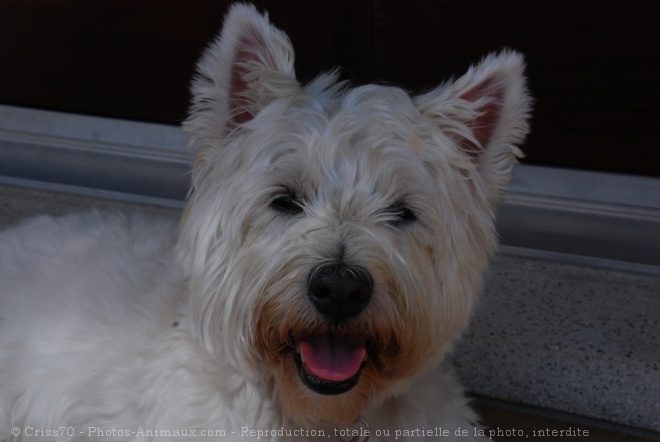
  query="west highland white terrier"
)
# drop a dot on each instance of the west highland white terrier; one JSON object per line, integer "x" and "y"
{"x": 330, "y": 252}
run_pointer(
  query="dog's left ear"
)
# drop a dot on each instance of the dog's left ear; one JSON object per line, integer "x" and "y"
{"x": 249, "y": 65}
{"x": 486, "y": 112}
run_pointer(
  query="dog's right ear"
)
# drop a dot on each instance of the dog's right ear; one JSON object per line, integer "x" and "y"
{"x": 244, "y": 69}
{"x": 486, "y": 112}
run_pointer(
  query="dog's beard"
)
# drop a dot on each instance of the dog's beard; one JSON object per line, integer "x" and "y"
{"x": 256, "y": 315}
{"x": 326, "y": 372}
{"x": 258, "y": 318}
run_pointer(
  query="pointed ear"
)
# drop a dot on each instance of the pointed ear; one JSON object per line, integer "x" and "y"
{"x": 244, "y": 69}
{"x": 485, "y": 112}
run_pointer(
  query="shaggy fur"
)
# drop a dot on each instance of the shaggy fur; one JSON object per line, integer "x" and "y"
{"x": 116, "y": 327}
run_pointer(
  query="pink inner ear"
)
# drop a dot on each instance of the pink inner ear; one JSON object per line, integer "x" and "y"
{"x": 240, "y": 103}
{"x": 489, "y": 114}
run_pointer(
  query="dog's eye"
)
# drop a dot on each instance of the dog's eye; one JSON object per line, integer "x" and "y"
{"x": 286, "y": 204}
{"x": 400, "y": 214}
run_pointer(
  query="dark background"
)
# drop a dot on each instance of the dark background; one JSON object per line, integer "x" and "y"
{"x": 594, "y": 66}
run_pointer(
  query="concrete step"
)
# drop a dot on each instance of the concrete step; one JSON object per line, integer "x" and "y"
{"x": 573, "y": 338}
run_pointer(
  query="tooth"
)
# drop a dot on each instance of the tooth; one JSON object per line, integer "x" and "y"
{"x": 300, "y": 354}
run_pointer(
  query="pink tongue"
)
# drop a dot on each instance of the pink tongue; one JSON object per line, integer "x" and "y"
{"x": 332, "y": 359}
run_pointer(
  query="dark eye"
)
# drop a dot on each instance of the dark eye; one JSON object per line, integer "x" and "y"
{"x": 400, "y": 214}
{"x": 286, "y": 204}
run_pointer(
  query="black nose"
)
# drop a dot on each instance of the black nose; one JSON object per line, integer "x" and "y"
{"x": 339, "y": 291}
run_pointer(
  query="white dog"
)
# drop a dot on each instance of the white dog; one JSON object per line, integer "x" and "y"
{"x": 329, "y": 255}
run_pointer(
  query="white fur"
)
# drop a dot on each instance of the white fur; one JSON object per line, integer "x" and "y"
{"x": 127, "y": 325}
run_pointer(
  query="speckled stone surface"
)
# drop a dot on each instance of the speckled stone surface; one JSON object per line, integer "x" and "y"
{"x": 565, "y": 337}
{"x": 18, "y": 203}
{"x": 571, "y": 338}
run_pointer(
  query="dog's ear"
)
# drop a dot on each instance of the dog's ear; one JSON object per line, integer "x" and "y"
{"x": 244, "y": 69}
{"x": 486, "y": 112}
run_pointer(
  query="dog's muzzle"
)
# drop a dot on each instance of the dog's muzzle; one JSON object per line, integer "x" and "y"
{"x": 330, "y": 363}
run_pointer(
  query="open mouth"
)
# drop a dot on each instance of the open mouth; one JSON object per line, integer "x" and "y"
{"x": 329, "y": 364}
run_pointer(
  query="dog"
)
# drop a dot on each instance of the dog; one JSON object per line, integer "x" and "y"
{"x": 330, "y": 253}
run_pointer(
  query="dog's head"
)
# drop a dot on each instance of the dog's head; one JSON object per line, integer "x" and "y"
{"x": 335, "y": 238}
